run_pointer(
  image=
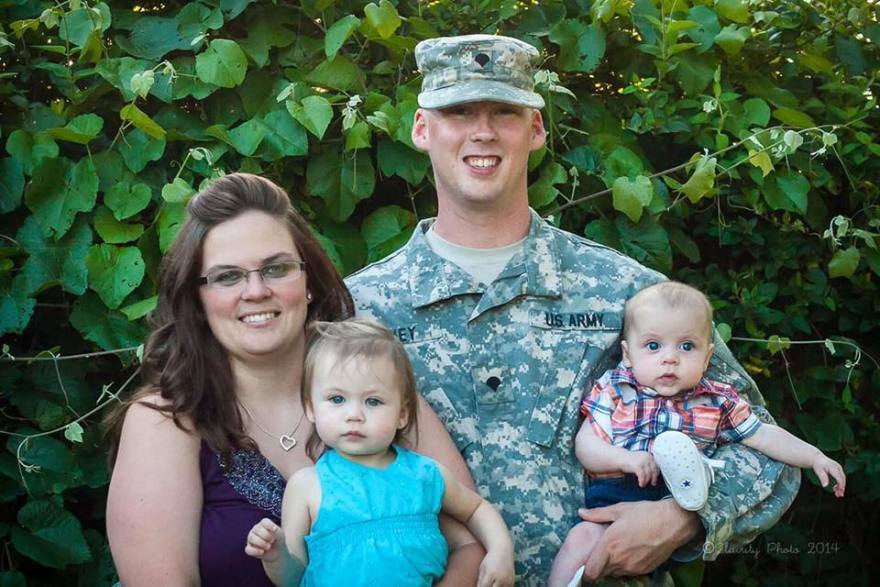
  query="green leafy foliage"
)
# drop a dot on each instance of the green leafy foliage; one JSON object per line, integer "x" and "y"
{"x": 734, "y": 145}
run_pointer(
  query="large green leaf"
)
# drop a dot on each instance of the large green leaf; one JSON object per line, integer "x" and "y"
{"x": 83, "y": 129}
{"x": 398, "y": 159}
{"x": 52, "y": 536}
{"x": 169, "y": 221}
{"x": 58, "y": 191}
{"x": 732, "y": 38}
{"x": 11, "y": 184}
{"x": 31, "y": 150}
{"x": 114, "y": 272}
{"x": 787, "y": 190}
{"x": 756, "y": 112}
{"x": 138, "y": 149}
{"x": 383, "y": 18}
{"x": 701, "y": 183}
{"x": 268, "y": 27}
{"x": 581, "y": 46}
{"x": 178, "y": 191}
{"x": 387, "y": 229}
{"x": 52, "y": 262}
{"x": 223, "y": 64}
{"x": 339, "y": 73}
{"x": 246, "y": 137}
{"x": 314, "y": 113}
{"x": 153, "y": 37}
{"x": 108, "y": 329}
{"x": 793, "y": 117}
{"x": 543, "y": 192}
{"x": 735, "y": 10}
{"x": 78, "y": 26}
{"x": 646, "y": 242}
{"x": 16, "y": 307}
{"x": 707, "y": 27}
{"x": 631, "y": 196}
{"x": 844, "y": 262}
{"x": 340, "y": 180}
{"x": 139, "y": 118}
{"x": 286, "y": 137}
{"x": 112, "y": 230}
{"x": 339, "y": 33}
{"x": 126, "y": 200}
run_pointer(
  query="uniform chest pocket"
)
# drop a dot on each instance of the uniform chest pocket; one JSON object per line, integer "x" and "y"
{"x": 571, "y": 358}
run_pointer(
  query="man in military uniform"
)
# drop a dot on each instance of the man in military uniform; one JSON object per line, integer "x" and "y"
{"x": 506, "y": 320}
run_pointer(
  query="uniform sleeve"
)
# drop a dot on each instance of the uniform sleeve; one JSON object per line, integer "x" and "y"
{"x": 597, "y": 407}
{"x": 750, "y": 494}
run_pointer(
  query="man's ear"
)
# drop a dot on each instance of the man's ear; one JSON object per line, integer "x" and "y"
{"x": 419, "y": 133}
{"x": 625, "y": 350}
{"x": 539, "y": 133}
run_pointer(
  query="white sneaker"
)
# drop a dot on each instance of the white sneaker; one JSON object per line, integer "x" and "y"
{"x": 686, "y": 472}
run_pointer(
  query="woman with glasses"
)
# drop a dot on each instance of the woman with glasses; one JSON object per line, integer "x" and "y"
{"x": 202, "y": 451}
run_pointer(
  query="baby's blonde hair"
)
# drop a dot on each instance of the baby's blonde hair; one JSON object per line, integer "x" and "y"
{"x": 675, "y": 295}
{"x": 354, "y": 339}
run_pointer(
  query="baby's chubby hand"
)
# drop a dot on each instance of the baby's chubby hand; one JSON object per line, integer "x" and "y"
{"x": 642, "y": 465}
{"x": 263, "y": 541}
{"x": 825, "y": 468}
{"x": 496, "y": 569}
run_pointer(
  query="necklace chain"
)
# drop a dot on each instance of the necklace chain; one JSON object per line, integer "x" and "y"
{"x": 287, "y": 441}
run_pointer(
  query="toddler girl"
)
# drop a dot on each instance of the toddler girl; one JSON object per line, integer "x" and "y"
{"x": 656, "y": 413}
{"x": 366, "y": 513}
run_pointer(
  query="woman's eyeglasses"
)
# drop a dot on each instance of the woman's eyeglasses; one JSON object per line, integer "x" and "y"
{"x": 274, "y": 272}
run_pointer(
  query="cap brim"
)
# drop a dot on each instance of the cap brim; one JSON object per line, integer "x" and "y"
{"x": 479, "y": 91}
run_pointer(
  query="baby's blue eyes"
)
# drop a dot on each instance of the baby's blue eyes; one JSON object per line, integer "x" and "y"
{"x": 653, "y": 346}
{"x": 687, "y": 346}
{"x": 371, "y": 402}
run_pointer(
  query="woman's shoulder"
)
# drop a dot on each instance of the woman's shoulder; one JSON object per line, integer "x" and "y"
{"x": 149, "y": 413}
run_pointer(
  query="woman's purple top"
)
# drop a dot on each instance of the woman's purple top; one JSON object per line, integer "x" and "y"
{"x": 235, "y": 498}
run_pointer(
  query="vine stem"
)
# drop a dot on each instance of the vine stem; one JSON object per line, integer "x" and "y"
{"x": 724, "y": 170}
{"x": 817, "y": 341}
{"x": 114, "y": 397}
{"x": 54, "y": 357}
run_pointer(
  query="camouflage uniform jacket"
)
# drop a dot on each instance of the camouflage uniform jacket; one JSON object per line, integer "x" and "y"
{"x": 505, "y": 366}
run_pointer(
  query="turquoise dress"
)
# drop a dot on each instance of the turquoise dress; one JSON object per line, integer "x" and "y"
{"x": 377, "y": 527}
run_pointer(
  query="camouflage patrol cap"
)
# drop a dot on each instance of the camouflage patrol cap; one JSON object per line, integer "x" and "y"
{"x": 477, "y": 68}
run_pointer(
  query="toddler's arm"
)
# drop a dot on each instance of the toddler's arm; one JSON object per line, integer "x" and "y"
{"x": 597, "y": 456}
{"x": 283, "y": 550}
{"x": 481, "y": 518}
{"x": 778, "y": 443}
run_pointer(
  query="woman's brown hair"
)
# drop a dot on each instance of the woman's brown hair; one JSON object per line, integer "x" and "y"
{"x": 352, "y": 340}
{"x": 183, "y": 361}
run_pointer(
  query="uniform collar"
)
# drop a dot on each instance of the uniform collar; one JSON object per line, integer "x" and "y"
{"x": 434, "y": 279}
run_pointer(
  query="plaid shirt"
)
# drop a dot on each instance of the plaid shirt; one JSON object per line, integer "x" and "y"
{"x": 629, "y": 415}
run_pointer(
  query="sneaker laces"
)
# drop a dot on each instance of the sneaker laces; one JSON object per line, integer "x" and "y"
{"x": 711, "y": 465}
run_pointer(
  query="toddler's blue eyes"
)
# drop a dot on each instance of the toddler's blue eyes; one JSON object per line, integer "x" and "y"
{"x": 373, "y": 402}
{"x": 337, "y": 399}
{"x": 687, "y": 346}
{"x": 653, "y": 346}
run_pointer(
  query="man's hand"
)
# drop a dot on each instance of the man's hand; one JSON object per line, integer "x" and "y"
{"x": 642, "y": 465}
{"x": 641, "y": 536}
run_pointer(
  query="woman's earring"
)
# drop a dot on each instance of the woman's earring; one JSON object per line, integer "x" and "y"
{"x": 308, "y": 296}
